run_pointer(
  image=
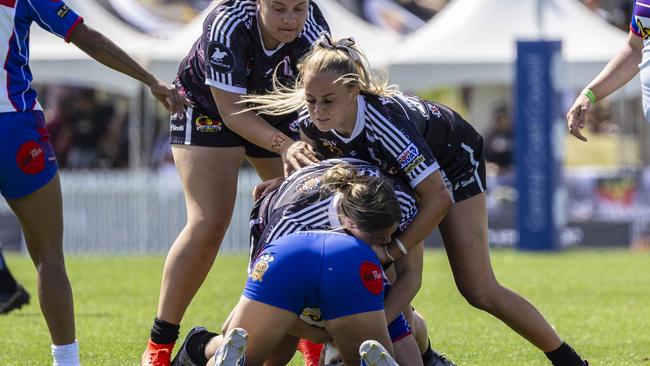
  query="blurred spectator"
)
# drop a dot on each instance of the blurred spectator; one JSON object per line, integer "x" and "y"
{"x": 499, "y": 141}
{"x": 402, "y": 16}
{"x": 615, "y": 12}
{"x": 88, "y": 130}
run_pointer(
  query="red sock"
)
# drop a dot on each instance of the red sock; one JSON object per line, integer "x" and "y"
{"x": 310, "y": 352}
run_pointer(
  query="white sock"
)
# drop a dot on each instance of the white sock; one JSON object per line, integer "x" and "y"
{"x": 66, "y": 355}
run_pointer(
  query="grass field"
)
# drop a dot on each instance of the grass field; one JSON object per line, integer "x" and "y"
{"x": 598, "y": 300}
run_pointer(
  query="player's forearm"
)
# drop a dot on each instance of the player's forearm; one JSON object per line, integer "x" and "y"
{"x": 433, "y": 204}
{"x": 256, "y": 130}
{"x": 102, "y": 49}
{"x": 407, "y": 284}
{"x": 620, "y": 69}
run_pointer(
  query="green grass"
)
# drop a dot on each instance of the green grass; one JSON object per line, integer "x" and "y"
{"x": 599, "y": 301}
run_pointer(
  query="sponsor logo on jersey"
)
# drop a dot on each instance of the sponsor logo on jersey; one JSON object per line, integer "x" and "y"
{"x": 177, "y": 127}
{"x": 220, "y": 57}
{"x": 412, "y": 165}
{"x": 371, "y": 277}
{"x": 310, "y": 184}
{"x": 261, "y": 266}
{"x": 331, "y": 146}
{"x": 408, "y": 155}
{"x": 645, "y": 31}
{"x": 207, "y": 125}
{"x": 464, "y": 183}
{"x": 63, "y": 11}
{"x": 30, "y": 157}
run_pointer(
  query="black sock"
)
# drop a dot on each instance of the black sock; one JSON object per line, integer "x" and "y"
{"x": 564, "y": 355}
{"x": 196, "y": 346}
{"x": 7, "y": 282}
{"x": 427, "y": 356}
{"x": 163, "y": 332}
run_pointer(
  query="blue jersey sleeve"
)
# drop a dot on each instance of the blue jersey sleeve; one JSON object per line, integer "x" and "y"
{"x": 54, "y": 16}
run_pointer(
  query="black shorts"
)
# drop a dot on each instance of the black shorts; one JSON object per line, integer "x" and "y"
{"x": 196, "y": 128}
{"x": 462, "y": 163}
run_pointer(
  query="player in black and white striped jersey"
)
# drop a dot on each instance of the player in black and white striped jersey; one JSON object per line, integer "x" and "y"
{"x": 243, "y": 42}
{"x": 299, "y": 205}
{"x": 348, "y": 111}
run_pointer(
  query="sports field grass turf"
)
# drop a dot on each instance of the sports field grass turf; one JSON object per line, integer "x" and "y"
{"x": 598, "y": 300}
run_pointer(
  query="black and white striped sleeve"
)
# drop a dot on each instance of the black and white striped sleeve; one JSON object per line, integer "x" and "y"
{"x": 227, "y": 46}
{"x": 315, "y": 25}
{"x": 403, "y": 144}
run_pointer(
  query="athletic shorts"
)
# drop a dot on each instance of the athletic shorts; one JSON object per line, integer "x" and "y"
{"x": 27, "y": 160}
{"x": 461, "y": 160}
{"x": 196, "y": 128}
{"x": 332, "y": 271}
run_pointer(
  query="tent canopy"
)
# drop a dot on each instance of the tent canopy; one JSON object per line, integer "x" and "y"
{"x": 54, "y": 61}
{"x": 473, "y": 42}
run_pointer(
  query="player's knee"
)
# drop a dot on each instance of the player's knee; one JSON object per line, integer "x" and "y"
{"x": 477, "y": 295}
{"x": 209, "y": 231}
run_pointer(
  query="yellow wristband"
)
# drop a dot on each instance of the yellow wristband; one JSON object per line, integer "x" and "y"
{"x": 589, "y": 94}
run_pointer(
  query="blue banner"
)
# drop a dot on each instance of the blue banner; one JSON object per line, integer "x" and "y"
{"x": 538, "y": 145}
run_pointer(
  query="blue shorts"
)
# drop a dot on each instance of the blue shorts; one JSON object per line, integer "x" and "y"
{"x": 27, "y": 160}
{"x": 332, "y": 271}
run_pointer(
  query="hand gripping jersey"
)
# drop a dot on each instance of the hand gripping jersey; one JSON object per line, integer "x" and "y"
{"x": 230, "y": 55}
{"x": 16, "y": 16}
{"x": 298, "y": 205}
{"x": 410, "y": 138}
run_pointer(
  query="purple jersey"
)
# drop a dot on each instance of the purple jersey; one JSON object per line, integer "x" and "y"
{"x": 16, "y": 16}
{"x": 231, "y": 56}
{"x": 640, "y": 23}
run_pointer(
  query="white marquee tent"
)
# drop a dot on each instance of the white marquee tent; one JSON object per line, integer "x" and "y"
{"x": 54, "y": 61}
{"x": 472, "y": 42}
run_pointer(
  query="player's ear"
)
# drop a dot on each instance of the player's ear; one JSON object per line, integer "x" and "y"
{"x": 354, "y": 91}
{"x": 348, "y": 223}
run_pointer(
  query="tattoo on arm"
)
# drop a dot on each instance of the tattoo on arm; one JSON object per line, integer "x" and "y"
{"x": 277, "y": 142}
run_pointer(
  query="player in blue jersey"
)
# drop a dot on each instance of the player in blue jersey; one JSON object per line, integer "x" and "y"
{"x": 242, "y": 44}
{"x": 631, "y": 58}
{"x": 326, "y": 196}
{"x": 28, "y": 171}
{"x": 302, "y": 203}
{"x": 346, "y": 111}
